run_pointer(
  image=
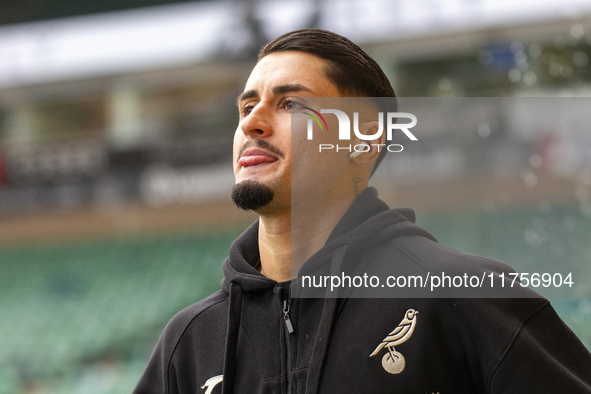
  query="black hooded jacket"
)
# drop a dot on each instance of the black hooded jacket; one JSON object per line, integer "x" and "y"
{"x": 259, "y": 336}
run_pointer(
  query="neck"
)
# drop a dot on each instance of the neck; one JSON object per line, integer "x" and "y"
{"x": 288, "y": 239}
{"x": 275, "y": 246}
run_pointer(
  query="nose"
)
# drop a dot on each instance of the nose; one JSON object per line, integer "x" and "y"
{"x": 257, "y": 123}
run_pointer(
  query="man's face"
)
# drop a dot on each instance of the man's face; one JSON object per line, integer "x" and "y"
{"x": 262, "y": 143}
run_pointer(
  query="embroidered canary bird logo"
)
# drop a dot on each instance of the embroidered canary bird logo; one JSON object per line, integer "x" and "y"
{"x": 211, "y": 383}
{"x": 393, "y": 361}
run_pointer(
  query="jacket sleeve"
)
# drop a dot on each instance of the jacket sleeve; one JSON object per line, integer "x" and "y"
{"x": 544, "y": 356}
{"x": 155, "y": 377}
{"x": 182, "y": 359}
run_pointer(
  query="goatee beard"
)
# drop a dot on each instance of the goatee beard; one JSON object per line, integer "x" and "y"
{"x": 251, "y": 195}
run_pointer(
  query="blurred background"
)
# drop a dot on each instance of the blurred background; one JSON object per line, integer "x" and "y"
{"x": 116, "y": 125}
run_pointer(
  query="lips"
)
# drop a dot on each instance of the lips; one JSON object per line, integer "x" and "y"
{"x": 252, "y": 157}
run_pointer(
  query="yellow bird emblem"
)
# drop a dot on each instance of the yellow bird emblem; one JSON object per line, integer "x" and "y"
{"x": 393, "y": 361}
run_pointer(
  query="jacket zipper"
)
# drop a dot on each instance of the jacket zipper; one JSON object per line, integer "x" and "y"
{"x": 286, "y": 317}
{"x": 288, "y": 332}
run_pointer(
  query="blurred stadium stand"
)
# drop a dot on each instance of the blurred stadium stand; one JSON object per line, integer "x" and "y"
{"x": 116, "y": 125}
{"x": 74, "y": 315}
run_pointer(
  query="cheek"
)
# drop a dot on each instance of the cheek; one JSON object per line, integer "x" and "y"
{"x": 302, "y": 152}
{"x": 237, "y": 144}
{"x": 302, "y": 149}
{"x": 238, "y": 141}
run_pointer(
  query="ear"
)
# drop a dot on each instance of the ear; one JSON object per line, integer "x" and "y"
{"x": 363, "y": 155}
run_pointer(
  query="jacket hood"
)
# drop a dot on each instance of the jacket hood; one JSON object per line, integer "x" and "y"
{"x": 240, "y": 265}
{"x": 368, "y": 222}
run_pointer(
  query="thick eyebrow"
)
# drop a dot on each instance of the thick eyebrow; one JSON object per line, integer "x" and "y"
{"x": 296, "y": 87}
{"x": 245, "y": 96}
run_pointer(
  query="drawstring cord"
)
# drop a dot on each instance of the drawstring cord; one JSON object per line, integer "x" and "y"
{"x": 234, "y": 315}
{"x": 327, "y": 319}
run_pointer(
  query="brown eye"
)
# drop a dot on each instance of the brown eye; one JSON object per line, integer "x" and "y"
{"x": 247, "y": 109}
{"x": 291, "y": 105}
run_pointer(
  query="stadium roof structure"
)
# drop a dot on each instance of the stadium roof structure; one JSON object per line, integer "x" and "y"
{"x": 161, "y": 36}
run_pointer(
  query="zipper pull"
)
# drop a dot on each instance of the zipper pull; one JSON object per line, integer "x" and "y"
{"x": 286, "y": 317}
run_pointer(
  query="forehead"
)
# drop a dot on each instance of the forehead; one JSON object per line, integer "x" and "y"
{"x": 291, "y": 68}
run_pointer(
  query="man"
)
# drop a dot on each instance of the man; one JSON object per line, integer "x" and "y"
{"x": 253, "y": 337}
